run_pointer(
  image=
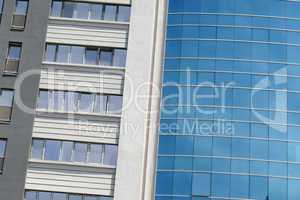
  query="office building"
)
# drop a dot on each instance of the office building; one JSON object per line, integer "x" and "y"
{"x": 143, "y": 100}
{"x": 230, "y": 111}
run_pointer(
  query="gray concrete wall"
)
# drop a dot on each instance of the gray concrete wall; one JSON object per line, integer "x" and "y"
{"x": 18, "y": 132}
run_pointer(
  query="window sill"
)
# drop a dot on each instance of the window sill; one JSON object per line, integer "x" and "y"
{"x": 72, "y": 164}
{"x": 5, "y": 73}
{"x": 5, "y": 121}
{"x": 89, "y": 21}
{"x": 78, "y": 113}
{"x": 85, "y": 66}
{"x": 17, "y": 28}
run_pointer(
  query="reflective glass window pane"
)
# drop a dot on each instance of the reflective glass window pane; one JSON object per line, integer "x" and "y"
{"x": 71, "y": 101}
{"x": 182, "y": 183}
{"x": 115, "y": 104}
{"x": 68, "y": 9}
{"x": 82, "y": 10}
{"x": 100, "y": 104}
{"x": 110, "y": 155}
{"x": 77, "y": 54}
{"x": 221, "y": 146}
{"x": 183, "y": 163}
{"x": 106, "y": 198}
{"x": 240, "y": 147}
{"x": 1, "y": 6}
{"x": 14, "y": 51}
{"x": 278, "y": 150}
{"x": 258, "y": 187}
{"x": 43, "y": 100}
{"x": 95, "y": 153}
{"x": 106, "y": 57}
{"x": 58, "y": 100}
{"x": 259, "y": 149}
{"x": 123, "y": 14}
{"x": 239, "y": 166}
{"x": 96, "y": 11}
{"x": 259, "y": 167}
{"x": 75, "y": 197}
{"x": 21, "y": 7}
{"x": 31, "y": 195}
{"x": 110, "y": 13}
{"x": 294, "y": 152}
{"x": 50, "y": 52}
{"x": 63, "y": 53}
{"x": 44, "y": 196}
{"x": 56, "y": 8}
{"x": 203, "y": 146}
{"x": 2, "y": 148}
{"x": 119, "y": 59}
{"x": 37, "y": 149}
{"x": 85, "y": 102}
{"x": 52, "y": 150}
{"x": 91, "y": 198}
{"x": 67, "y": 149}
{"x": 91, "y": 56}
{"x": 220, "y": 165}
{"x": 6, "y": 98}
{"x": 59, "y": 196}
{"x": 201, "y": 184}
{"x": 293, "y": 189}
{"x": 278, "y": 169}
{"x": 239, "y": 186}
{"x": 277, "y": 188}
{"x": 80, "y": 152}
{"x": 220, "y": 185}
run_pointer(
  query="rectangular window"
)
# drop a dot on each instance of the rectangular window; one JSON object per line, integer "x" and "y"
{"x": 1, "y": 8}
{"x": 43, "y": 102}
{"x": 58, "y": 98}
{"x": 56, "y": 8}
{"x": 2, "y": 153}
{"x": 85, "y": 102}
{"x": 95, "y": 153}
{"x": 19, "y": 17}
{"x": 52, "y": 150}
{"x": 85, "y": 55}
{"x": 120, "y": 57}
{"x": 96, "y": 11}
{"x": 100, "y": 104}
{"x": 13, "y": 58}
{"x": 77, "y": 54}
{"x": 63, "y": 53}
{"x": 67, "y": 149}
{"x": 62, "y": 101}
{"x": 110, "y": 155}
{"x": 82, "y": 10}
{"x": 21, "y": 7}
{"x": 38, "y": 195}
{"x": 93, "y": 11}
{"x": 106, "y": 57}
{"x": 110, "y": 13}
{"x": 6, "y": 103}
{"x": 50, "y": 52}
{"x": 115, "y": 104}
{"x": 80, "y": 152}
{"x": 37, "y": 149}
{"x": 91, "y": 56}
{"x": 71, "y": 101}
{"x": 123, "y": 14}
{"x": 68, "y": 9}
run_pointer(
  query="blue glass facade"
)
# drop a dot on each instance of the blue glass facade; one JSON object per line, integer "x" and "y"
{"x": 230, "y": 110}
